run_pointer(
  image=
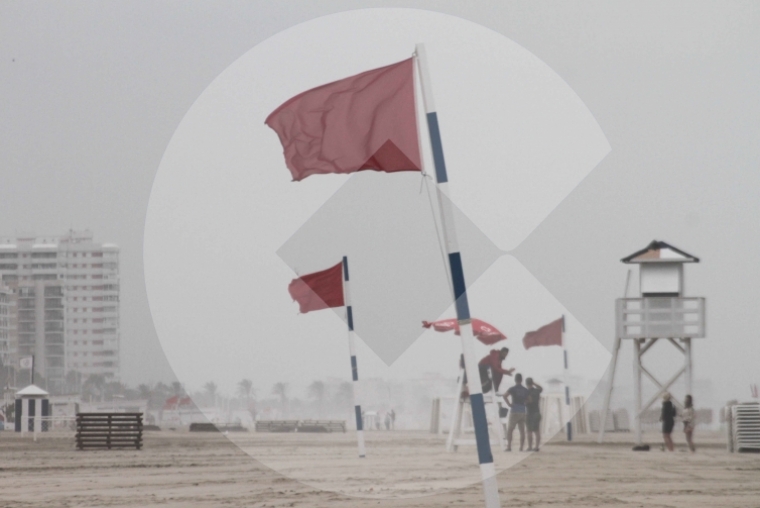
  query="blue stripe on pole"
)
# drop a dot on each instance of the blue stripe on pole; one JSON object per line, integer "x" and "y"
{"x": 350, "y": 317}
{"x": 358, "y": 411}
{"x": 435, "y": 141}
{"x": 565, "y": 351}
{"x": 567, "y": 395}
{"x": 569, "y": 431}
{"x": 354, "y": 369}
{"x": 460, "y": 290}
{"x": 345, "y": 268}
{"x": 481, "y": 428}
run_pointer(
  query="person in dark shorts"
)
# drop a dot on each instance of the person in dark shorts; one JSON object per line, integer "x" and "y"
{"x": 668, "y": 419}
{"x": 515, "y": 398}
{"x": 533, "y": 420}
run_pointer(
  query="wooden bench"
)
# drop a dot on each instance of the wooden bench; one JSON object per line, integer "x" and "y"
{"x": 322, "y": 426}
{"x": 109, "y": 431}
{"x": 300, "y": 426}
{"x": 213, "y": 427}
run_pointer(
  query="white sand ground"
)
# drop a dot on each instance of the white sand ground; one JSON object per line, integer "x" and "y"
{"x": 179, "y": 469}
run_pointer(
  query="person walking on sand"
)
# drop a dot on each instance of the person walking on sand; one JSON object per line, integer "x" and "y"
{"x": 533, "y": 419}
{"x": 687, "y": 416}
{"x": 517, "y": 414}
{"x": 668, "y": 419}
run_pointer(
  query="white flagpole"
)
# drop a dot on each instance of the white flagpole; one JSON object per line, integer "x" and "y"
{"x": 354, "y": 367}
{"x": 569, "y": 426}
{"x": 487, "y": 469}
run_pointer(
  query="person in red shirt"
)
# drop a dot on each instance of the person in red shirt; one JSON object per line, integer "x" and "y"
{"x": 491, "y": 371}
{"x": 492, "y": 362}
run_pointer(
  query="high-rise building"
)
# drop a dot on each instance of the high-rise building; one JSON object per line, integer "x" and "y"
{"x": 7, "y": 331}
{"x": 67, "y": 304}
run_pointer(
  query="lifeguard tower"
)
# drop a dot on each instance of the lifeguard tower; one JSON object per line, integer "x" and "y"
{"x": 661, "y": 312}
{"x": 32, "y": 405}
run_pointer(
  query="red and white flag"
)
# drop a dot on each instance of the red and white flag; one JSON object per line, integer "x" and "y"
{"x": 485, "y": 333}
{"x": 319, "y": 290}
{"x": 366, "y": 121}
{"x": 547, "y": 335}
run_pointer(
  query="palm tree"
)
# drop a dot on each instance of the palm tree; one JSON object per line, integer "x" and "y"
{"x": 245, "y": 388}
{"x": 344, "y": 396}
{"x": 210, "y": 388}
{"x": 177, "y": 388}
{"x": 95, "y": 385}
{"x": 281, "y": 390}
{"x": 144, "y": 392}
{"x": 317, "y": 392}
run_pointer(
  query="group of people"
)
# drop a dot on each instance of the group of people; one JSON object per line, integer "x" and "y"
{"x": 524, "y": 404}
{"x": 523, "y": 401}
{"x": 388, "y": 419}
{"x": 668, "y": 419}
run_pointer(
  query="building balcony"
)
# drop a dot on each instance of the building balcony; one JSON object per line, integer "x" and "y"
{"x": 660, "y": 317}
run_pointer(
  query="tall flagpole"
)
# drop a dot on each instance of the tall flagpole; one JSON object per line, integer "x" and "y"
{"x": 567, "y": 385}
{"x": 487, "y": 469}
{"x": 354, "y": 368}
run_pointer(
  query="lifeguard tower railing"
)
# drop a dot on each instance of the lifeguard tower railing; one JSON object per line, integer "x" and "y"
{"x": 660, "y": 317}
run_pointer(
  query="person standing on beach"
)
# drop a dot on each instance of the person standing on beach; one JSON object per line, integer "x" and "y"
{"x": 668, "y": 419}
{"x": 517, "y": 414}
{"x": 688, "y": 421}
{"x": 533, "y": 419}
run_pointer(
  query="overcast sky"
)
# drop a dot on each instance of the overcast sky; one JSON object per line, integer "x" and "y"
{"x": 92, "y": 93}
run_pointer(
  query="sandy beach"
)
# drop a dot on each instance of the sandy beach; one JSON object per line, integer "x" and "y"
{"x": 206, "y": 469}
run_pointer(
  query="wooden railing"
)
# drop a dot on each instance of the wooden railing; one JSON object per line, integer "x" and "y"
{"x": 660, "y": 317}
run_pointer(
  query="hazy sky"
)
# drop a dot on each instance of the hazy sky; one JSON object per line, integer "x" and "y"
{"x": 223, "y": 200}
{"x": 91, "y": 93}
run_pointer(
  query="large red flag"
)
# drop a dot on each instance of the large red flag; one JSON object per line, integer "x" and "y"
{"x": 485, "y": 333}
{"x": 547, "y": 335}
{"x": 367, "y": 121}
{"x": 319, "y": 290}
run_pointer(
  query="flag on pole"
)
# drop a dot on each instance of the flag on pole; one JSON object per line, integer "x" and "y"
{"x": 319, "y": 290}
{"x": 26, "y": 362}
{"x": 547, "y": 335}
{"x": 485, "y": 333}
{"x": 366, "y": 121}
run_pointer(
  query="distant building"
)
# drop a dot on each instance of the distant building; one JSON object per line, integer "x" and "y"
{"x": 7, "y": 330}
{"x": 66, "y": 290}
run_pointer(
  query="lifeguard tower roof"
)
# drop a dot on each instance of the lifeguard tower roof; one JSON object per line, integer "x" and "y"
{"x": 32, "y": 391}
{"x": 660, "y": 252}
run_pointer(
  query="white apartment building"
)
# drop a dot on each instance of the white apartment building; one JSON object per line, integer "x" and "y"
{"x": 7, "y": 328}
{"x": 67, "y": 292}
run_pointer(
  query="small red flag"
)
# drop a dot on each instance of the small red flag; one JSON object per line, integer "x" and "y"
{"x": 366, "y": 121}
{"x": 485, "y": 333}
{"x": 547, "y": 335}
{"x": 319, "y": 290}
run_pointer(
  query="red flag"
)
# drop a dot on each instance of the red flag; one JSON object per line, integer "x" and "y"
{"x": 485, "y": 333}
{"x": 547, "y": 335}
{"x": 319, "y": 290}
{"x": 367, "y": 121}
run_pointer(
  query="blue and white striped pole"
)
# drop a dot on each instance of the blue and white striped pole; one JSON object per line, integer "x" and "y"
{"x": 354, "y": 367}
{"x": 569, "y": 425}
{"x": 487, "y": 469}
